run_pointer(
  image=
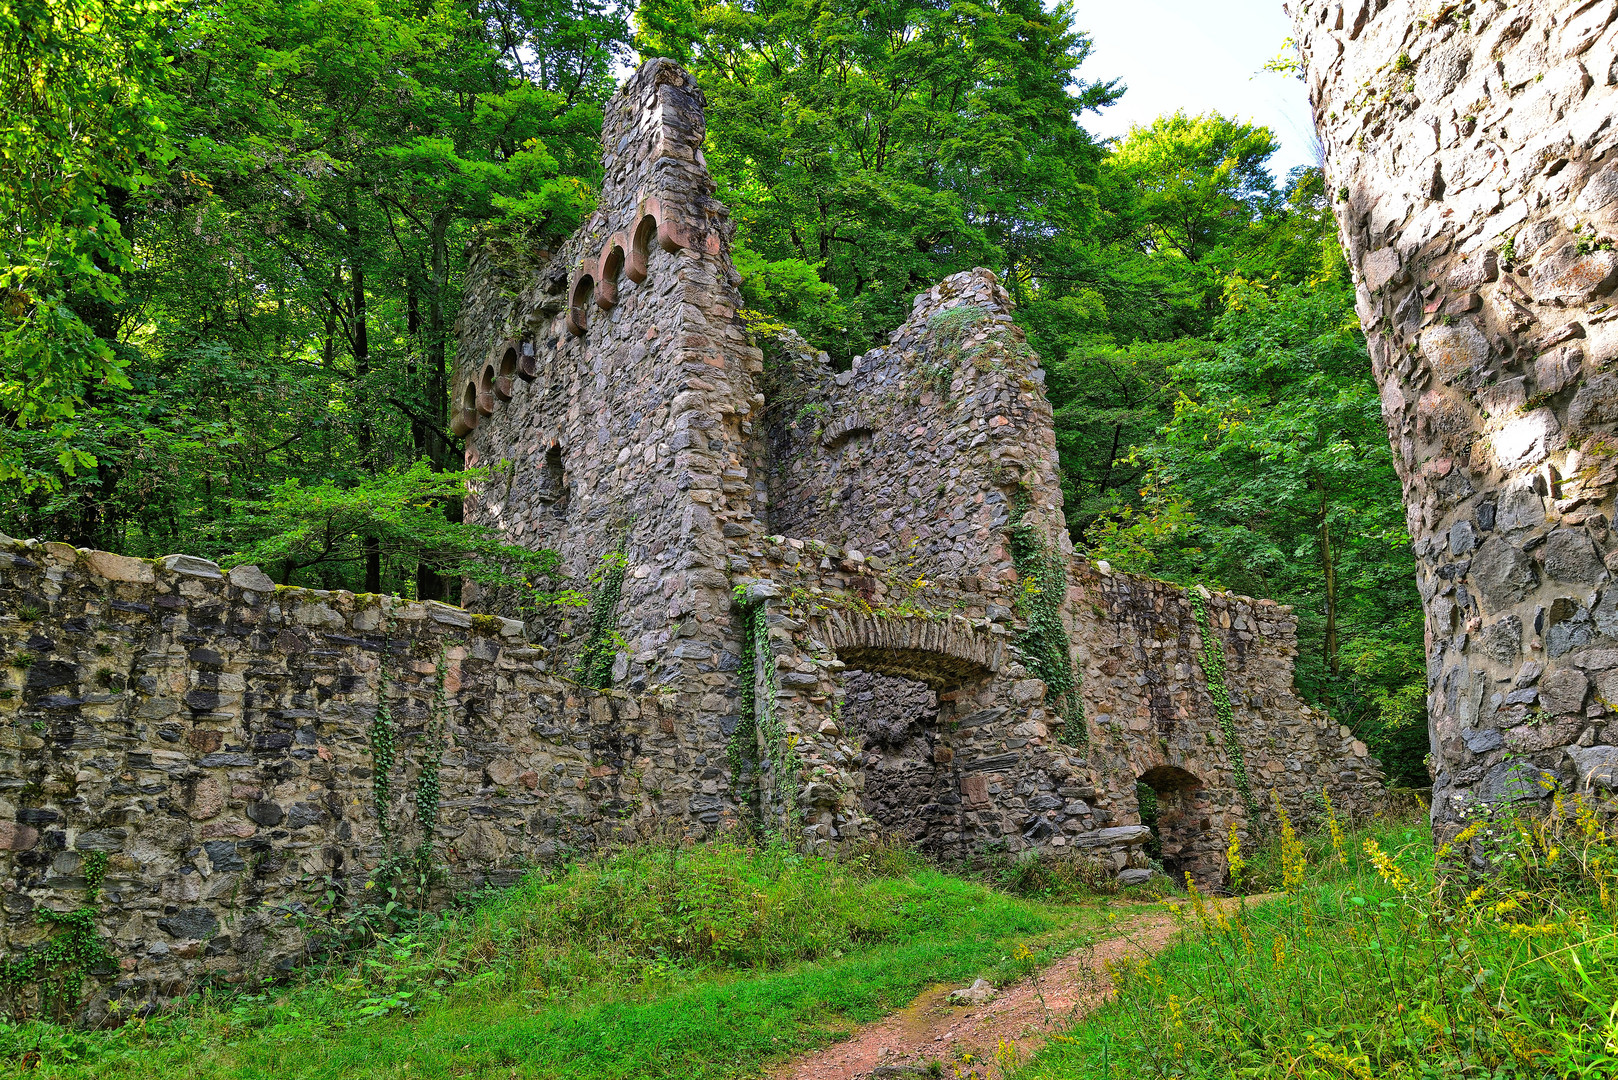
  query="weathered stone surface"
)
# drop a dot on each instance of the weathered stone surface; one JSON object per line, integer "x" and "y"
{"x": 1502, "y": 573}
{"x": 17, "y": 837}
{"x": 1569, "y": 277}
{"x": 1454, "y": 350}
{"x": 118, "y": 567}
{"x": 1563, "y": 691}
{"x": 1571, "y": 557}
{"x": 1379, "y": 267}
{"x": 1502, "y": 639}
{"x": 193, "y": 923}
{"x": 251, "y": 577}
{"x": 1597, "y": 767}
{"x": 1557, "y": 369}
{"x": 190, "y": 566}
{"x": 1492, "y": 169}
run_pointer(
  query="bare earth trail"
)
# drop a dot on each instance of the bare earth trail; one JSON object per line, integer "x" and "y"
{"x": 966, "y": 1039}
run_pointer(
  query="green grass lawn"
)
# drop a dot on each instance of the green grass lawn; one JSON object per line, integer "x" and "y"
{"x": 720, "y": 961}
{"x": 649, "y": 963}
{"x": 1372, "y": 967}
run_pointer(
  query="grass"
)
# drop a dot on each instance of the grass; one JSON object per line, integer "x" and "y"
{"x": 1373, "y": 966}
{"x": 651, "y": 962}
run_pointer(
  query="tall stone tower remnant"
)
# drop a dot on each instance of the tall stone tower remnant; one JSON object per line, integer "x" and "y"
{"x": 819, "y": 581}
{"x": 1469, "y": 150}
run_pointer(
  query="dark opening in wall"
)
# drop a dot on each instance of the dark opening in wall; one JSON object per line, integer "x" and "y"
{"x": 907, "y": 792}
{"x": 553, "y": 482}
{"x": 1181, "y": 824}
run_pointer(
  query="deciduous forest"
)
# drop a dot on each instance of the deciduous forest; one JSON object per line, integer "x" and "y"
{"x": 236, "y": 233}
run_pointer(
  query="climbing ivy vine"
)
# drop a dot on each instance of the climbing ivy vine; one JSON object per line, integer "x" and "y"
{"x": 1213, "y": 669}
{"x": 1043, "y": 640}
{"x": 75, "y": 950}
{"x": 602, "y": 641}
{"x": 759, "y": 722}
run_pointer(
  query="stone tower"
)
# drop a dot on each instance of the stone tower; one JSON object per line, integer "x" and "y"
{"x": 1470, "y": 153}
{"x": 633, "y": 384}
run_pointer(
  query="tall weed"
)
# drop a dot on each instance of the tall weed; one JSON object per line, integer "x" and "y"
{"x": 1371, "y": 965}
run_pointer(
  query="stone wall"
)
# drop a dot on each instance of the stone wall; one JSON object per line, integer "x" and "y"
{"x": 918, "y": 453}
{"x": 1152, "y": 718}
{"x": 625, "y": 420}
{"x": 209, "y": 732}
{"x": 1471, "y": 153}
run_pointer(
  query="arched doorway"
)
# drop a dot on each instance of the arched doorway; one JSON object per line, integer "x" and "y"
{"x": 1183, "y": 825}
{"x": 895, "y": 719}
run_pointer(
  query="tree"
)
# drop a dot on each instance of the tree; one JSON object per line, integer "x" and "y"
{"x": 1273, "y": 478}
{"x": 886, "y": 147}
{"x": 80, "y": 134}
{"x": 295, "y": 266}
{"x": 1201, "y": 180}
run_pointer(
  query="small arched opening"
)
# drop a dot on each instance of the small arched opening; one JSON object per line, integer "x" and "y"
{"x": 607, "y": 271}
{"x": 640, "y": 248}
{"x": 578, "y": 304}
{"x": 505, "y": 372}
{"x": 484, "y": 399}
{"x": 1174, "y": 805}
{"x": 552, "y": 482}
{"x": 466, "y": 415}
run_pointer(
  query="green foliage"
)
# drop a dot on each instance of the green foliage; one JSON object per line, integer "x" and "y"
{"x": 296, "y": 189}
{"x": 81, "y": 133}
{"x": 1273, "y": 478}
{"x": 602, "y": 641}
{"x": 48, "y": 979}
{"x": 1377, "y": 968}
{"x": 655, "y": 962}
{"x": 1043, "y": 641}
{"x": 759, "y": 724}
{"x": 884, "y": 149}
{"x": 398, "y": 514}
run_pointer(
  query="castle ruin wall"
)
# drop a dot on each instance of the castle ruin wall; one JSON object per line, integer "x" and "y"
{"x": 1472, "y": 155}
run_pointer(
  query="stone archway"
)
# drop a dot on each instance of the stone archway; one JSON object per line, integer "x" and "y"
{"x": 1183, "y": 825}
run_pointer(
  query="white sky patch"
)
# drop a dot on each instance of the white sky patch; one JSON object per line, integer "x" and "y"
{"x": 1200, "y": 56}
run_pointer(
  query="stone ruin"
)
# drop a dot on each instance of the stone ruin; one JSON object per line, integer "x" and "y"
{"x": 1472, "y": 153}
{"x": 822, "y": 628}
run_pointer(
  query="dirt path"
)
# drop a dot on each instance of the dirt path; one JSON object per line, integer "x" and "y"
{"x": 966, "y": 1039}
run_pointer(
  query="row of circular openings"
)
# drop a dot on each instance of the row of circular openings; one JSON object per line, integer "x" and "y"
{"x": 628, "y": 257}
{"x": 495, "y": 382}
{"x": 517, "y": 358}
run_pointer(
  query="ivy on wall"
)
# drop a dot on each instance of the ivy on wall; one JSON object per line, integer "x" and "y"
{"x": 602, "y": 641}
{"x": 759, "y": 723}
{"x": 56, "y": 971}
{"x": 1213, "y": 670}
{"x": 1044, "y": 641}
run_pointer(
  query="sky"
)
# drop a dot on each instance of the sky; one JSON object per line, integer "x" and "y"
{"x": 1196, "y": 55}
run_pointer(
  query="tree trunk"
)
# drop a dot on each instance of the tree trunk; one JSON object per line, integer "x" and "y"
{"x": 1471, "y": 162}
{"x": 1328, "y": 568}
{"x": 430, "y": 584}
{"x": 362, "y": 371}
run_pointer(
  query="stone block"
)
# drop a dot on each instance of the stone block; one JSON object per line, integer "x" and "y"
{"x": 118, "y": 567}
{"x": 191, "y": 566}
{"x": 1454, "y": 350}
{"x": 251, "y": 577}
